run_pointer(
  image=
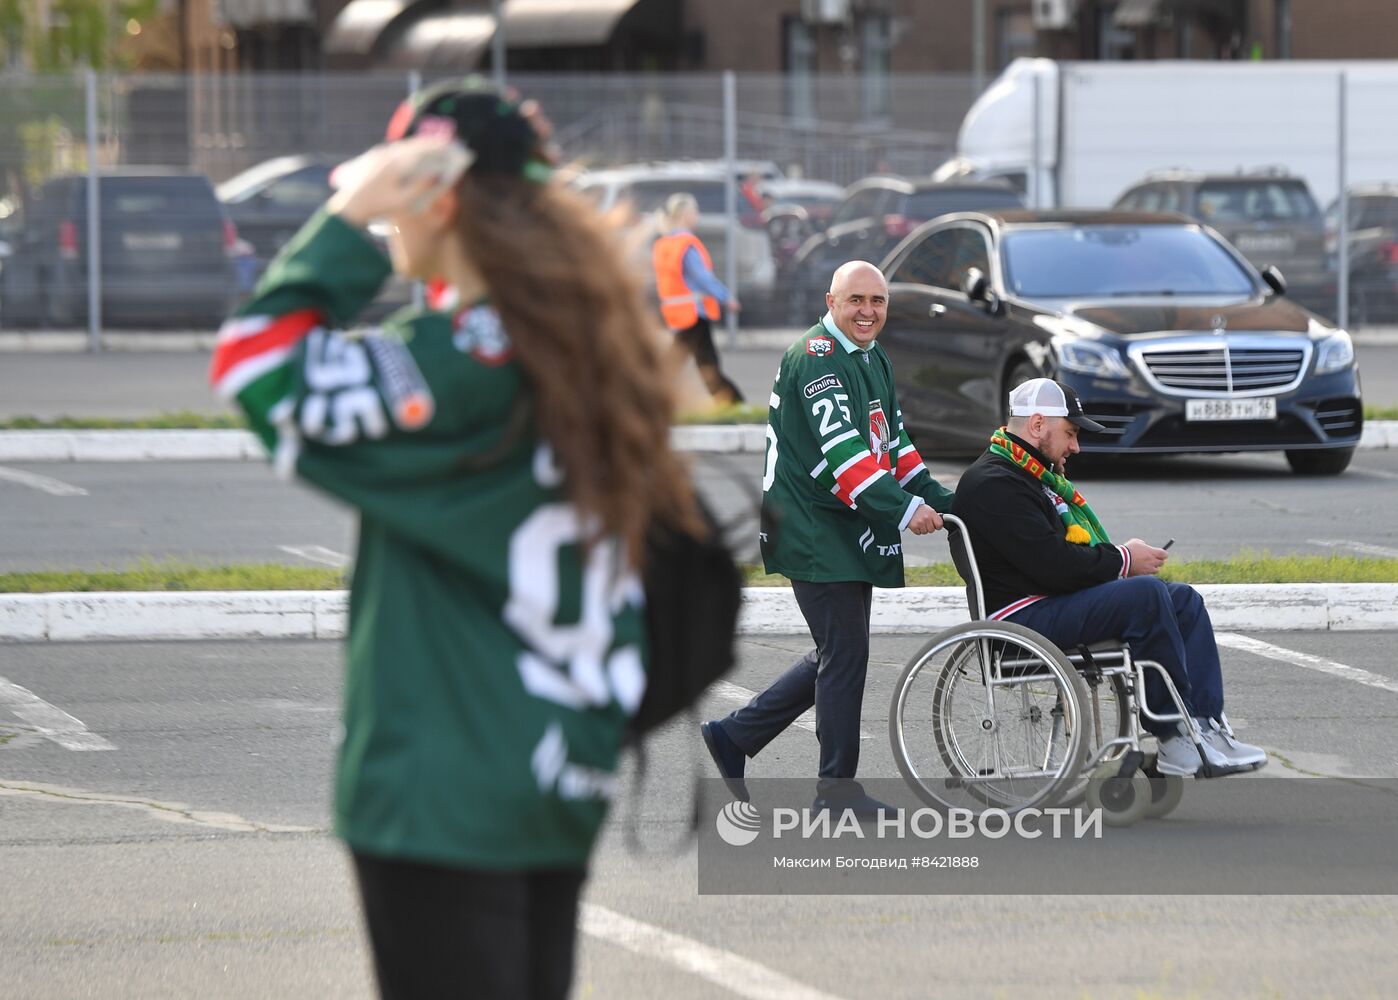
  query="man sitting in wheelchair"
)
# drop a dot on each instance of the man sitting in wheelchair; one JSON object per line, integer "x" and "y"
{"x": 1046, "y": 563}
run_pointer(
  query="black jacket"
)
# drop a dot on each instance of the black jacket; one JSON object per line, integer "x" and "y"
{"x": 1018, "y": 537}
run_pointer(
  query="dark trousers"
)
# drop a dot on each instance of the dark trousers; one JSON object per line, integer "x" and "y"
{"x": 698, "y": 341}
{"x": 830, "y": 677}
{"x": 456, "y": 932}
{"x": 1165, "y": 622}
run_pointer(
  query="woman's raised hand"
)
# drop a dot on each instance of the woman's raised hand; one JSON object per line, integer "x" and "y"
{"x": 397, "y": 177}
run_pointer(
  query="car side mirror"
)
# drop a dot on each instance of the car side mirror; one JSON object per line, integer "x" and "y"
{"x": 1274, "y": 279}
{"x": 976, "y": 286}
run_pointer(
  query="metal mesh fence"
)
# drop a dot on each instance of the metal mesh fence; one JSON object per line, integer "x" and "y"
{"x": 835, "y": 129}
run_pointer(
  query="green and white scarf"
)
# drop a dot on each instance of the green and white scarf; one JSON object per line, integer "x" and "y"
{"x": 1080, "y": 522}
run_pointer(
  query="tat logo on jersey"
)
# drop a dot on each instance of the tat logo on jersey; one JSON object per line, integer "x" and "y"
{"x": 820, "y": 346}
{"x": 880, "y": 435}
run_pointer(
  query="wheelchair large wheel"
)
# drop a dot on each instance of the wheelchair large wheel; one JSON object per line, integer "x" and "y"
{"x": 989, "y": 714}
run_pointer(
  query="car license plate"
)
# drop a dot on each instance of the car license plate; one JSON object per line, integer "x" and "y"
{"x": 1262, "y": 408}
{"x": 151, "y": 241}
{"x": 1273, "y": 243}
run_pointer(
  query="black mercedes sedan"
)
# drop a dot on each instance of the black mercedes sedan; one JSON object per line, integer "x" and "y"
{"x": 1174, "y": 342}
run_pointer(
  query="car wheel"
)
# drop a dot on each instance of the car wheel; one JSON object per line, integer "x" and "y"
{"x": 1330, "y": 462}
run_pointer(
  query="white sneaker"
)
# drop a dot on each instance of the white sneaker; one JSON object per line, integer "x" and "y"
{"x": 1177, "y": 755}
{"x": 1214, "y": 749}
{"x": 1220, "y": 734}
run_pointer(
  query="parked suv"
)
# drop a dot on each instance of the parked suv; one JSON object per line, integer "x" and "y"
{"x": 874, "y": 217}
{"x": 1373, "y": 250}
{"x": 1269, "y": 216}
{"x": 167, "y": 252}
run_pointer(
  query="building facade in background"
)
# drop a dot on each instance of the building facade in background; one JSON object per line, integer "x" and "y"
{"x": 797, "y": 37}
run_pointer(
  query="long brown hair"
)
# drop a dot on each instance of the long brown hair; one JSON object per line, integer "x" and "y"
{"x": 603, "y": 388}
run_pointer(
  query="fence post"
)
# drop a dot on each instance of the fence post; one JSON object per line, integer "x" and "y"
{"x": 497, "y": 46}
{"x": 730, "y": 195}
{"x": 94, "y": 224}
{"x": 414, "y": 85}
{"x": 978, "y": 45}
{"x": 1342, "y": 235}
{"x": 1034, "y": 168}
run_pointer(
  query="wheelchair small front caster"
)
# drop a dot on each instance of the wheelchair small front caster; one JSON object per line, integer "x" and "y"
{"x": 1123, "y": 801}
{"x": 1166, "y": 790}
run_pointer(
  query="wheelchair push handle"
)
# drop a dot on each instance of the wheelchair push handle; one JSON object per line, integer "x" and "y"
{"x": 960, "y": 525}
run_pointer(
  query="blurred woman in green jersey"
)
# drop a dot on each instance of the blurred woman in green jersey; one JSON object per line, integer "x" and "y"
{"x": 506, "y": 447}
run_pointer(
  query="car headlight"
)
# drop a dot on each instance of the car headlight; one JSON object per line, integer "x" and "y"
{"x": 1088, "y": 357}
{"x": 1336, "y": 353}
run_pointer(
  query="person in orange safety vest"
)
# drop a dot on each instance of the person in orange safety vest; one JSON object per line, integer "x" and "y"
{"x": 690, "y": 293}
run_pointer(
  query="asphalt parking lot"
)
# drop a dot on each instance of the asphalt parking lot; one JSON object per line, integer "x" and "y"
{"x": 108, "y": 515}
{"x": 187, "y": 852}
{"x": 164, "y": 807}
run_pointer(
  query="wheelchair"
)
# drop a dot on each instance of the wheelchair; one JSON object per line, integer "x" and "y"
{"x": 991, "y": 715}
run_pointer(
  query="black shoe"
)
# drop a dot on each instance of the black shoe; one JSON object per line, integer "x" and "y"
{"x": 729, "y": 759}
{"x": 863, "y": 806}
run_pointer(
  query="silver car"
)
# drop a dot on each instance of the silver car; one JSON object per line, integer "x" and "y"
{"x": 644, "y": 189}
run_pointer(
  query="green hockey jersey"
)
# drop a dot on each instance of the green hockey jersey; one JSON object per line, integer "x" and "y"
{"x": 841, "y": 479}
{"x": 491, "y": 666}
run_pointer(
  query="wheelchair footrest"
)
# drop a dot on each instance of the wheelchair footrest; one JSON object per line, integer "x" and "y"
{"x": 1208, "y": 770}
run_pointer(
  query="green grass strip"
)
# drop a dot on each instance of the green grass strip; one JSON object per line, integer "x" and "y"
{"x": 735, "y": 413}
{"x": 1381, "y": 413}
{"x": 1244, "y": 568}
{"x": 174, "y": 575}
{"x": 181, "y": 420}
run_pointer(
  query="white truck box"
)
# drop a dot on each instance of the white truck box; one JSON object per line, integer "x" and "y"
{"x": 1103, "y": 126}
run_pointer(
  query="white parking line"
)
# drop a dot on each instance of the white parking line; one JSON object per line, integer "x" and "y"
{"x": 1363, "y": 548}
{"x": 52, "y": 723}
{"x": 1299, "y": 659}
{"x": 732, "y": 692}
{"x": 44, "y": 484}
{"x": 740, "y": 976}
{"x": 170, "y": 812}
{"x": 317, "y": 553}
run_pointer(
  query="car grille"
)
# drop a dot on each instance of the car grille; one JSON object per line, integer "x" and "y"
{"x": 1225, "y": 369}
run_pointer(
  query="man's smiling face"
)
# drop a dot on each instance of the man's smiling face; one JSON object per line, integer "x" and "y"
{"x": 858, "y": 301}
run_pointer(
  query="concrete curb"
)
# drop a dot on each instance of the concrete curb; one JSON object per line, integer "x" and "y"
{"x": 238, "y": 445}
{"x": 321, "y": 614}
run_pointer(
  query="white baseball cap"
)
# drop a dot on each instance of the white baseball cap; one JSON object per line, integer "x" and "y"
{"x": 1052, "y": 399}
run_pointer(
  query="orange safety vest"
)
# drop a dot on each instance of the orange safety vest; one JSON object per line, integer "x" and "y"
{"x": 678, "y": 304}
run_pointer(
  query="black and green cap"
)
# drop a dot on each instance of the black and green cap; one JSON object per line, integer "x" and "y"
{"x": 494, "y": 126}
